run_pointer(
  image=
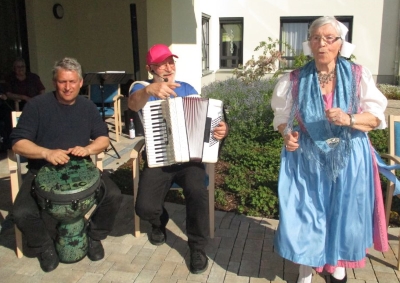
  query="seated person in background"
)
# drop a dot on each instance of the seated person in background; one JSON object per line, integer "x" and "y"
{"x": 155, "y": 182}
{"x": 5, "y": 121}
{"x": 53, "y": 127}
{"x": 21, "y": 85}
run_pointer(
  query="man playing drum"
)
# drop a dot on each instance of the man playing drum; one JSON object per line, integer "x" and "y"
{"x": 52, "y": 128}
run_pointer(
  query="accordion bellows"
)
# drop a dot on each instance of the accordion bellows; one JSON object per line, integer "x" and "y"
{"x": 180, "y": 129}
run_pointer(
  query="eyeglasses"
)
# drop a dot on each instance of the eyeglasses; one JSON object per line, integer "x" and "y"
{"x": 163, "y": 66}
{"x": 20, "y": 66}
{"x": 329, "y": 39}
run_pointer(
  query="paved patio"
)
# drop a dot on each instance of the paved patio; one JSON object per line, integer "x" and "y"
{"x": 241, "y": 252}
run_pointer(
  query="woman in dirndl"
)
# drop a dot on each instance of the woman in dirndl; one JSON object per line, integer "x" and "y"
{"x": 330, "y": 203}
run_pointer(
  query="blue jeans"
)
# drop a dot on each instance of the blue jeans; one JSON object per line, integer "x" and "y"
{"x": 154, "y": 183}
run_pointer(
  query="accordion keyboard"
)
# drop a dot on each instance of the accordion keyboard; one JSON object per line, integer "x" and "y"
{"x": 159, "y": 149}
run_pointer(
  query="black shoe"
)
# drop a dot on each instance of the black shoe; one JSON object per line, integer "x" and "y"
{"x": 158, "y": 235}
{"x": 48, "y": 259}
{"x": 95, "y": 250}
{"x": 334, "y": 280}
{"x": 198, "y": 261}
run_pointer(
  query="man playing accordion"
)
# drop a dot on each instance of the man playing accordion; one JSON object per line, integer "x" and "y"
{"x": 155, "y": 182}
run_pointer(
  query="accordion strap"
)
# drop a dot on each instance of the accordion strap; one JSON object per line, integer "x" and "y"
{"x": 143, "y": 83}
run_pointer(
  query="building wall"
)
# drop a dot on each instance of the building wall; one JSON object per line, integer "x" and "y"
{"x": 98, "y": 32}
{"x": 95, "y": 32}
{"x": 375, "y": 27}
{"x": 174, "y": 23}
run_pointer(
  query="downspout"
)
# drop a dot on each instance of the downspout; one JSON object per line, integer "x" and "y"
{"x": 397, "y": 53}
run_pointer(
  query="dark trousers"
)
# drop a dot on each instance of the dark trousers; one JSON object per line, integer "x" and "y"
{"x": 154, "y": 183}
{"x": 28, "y": 215}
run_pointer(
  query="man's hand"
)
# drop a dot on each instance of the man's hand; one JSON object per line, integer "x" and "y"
{"x": 162, "y": 90}
{"x": 221, "y": 131}
{"x": 80, "y": 151}
{"x": 57, "y": 156}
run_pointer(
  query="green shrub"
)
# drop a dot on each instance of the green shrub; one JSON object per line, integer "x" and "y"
{"x": 390, "y": 91}
{"x": 252, "y": 148}
{"x": 268, "y": 62}
{"x": 379, "y": 140}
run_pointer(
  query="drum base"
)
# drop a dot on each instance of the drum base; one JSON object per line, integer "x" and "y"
{"x": 72, "y": 241}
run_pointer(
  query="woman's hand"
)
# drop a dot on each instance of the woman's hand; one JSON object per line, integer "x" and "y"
{"x": 338, "y": 117}
{"x": 291, "y": 141}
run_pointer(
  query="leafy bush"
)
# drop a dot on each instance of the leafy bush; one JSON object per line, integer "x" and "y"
{"x": 252, "y": 148}
{"x": 390, "y": 91}
{"x": 256, "y": 69}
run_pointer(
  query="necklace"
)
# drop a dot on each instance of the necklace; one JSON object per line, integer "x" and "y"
{"x": 325, "y": 78}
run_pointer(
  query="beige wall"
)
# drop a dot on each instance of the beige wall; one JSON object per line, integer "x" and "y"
{"x": 96, "y": 32}
{"x": 374, "y": 32}
{"x": 174, "y": 23}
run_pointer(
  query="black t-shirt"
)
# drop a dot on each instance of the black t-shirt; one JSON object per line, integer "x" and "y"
{"x": 53, "y": 125}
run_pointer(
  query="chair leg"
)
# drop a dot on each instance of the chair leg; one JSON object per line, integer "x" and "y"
{"x": 19, "y": 243}
{"x": 135, "y": 172}
{"x": 119, "y": 118}
{"x": 210, "y": 169}
{"x": 15, "y": 179}
{"x": 388, "y": 202}
{"x": 398, "y": 256}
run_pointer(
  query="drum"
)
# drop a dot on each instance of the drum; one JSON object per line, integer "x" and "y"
{"x": 67, "y": 192}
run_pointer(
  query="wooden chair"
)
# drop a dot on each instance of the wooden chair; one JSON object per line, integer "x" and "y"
{"x": 393, "y": 156}
{"x": 15, "y": 168}
{"x": 139, "y": 144}
{"x": 112, "y": 104}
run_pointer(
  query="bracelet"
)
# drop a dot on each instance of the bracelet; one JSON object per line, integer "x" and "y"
{"x": 352, "y": 120}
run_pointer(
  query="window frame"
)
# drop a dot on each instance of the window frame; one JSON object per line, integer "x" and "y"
{"x": 205, "y": 43}
{"x": 239, "y": 56}
{"x": 309, "y": 20}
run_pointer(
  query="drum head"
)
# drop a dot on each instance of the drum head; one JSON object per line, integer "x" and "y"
{"x": 75, "y": 177}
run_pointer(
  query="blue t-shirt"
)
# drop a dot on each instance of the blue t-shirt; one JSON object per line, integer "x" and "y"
{"x": 184, "y": 90}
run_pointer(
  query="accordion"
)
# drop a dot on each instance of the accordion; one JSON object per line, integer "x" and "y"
{"x": 180, "y": 129}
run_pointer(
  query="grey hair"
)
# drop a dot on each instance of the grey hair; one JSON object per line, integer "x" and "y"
{"x": 69, "y": 64}
{"x": 19, "y": 59}
{"x": 316, "y": 24}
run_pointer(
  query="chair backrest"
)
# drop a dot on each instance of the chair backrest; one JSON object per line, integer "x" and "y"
{"x": 394, "y": 135}
{"x": 14, "y": 117}
{"x": 110, "y": 91}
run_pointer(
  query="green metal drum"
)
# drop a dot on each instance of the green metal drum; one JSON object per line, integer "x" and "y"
{"x": 67, "y": 193}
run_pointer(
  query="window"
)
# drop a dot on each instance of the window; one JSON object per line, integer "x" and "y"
{"x": 294, "y": 31}
{"x": 205, "y": 44}
{"x": 231, "y": 42}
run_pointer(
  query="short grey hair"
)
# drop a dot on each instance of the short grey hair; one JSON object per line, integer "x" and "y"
{"x": 316, "y": 24}
{"x": 19, "y": 60}
{"x": 69, "y": 64}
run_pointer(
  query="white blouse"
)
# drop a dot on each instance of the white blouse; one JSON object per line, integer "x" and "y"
{"x": 371, "y": 99}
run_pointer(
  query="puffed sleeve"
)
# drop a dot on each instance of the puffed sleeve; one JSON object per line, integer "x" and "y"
{"x": 281, "y": 102}
{"x": 371, "y": 99}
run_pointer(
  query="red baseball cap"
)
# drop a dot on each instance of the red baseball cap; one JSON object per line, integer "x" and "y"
{"x": 158, "y": 53}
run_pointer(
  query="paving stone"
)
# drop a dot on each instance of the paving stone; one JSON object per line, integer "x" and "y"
{"x": 242, "y": 251}
{"x": 90, "y": 278}
{"x": 119, "y": 276}
{"x": 236, "y": 279}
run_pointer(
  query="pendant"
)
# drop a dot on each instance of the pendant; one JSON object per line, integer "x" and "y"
{"x": 332, "y": 142}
